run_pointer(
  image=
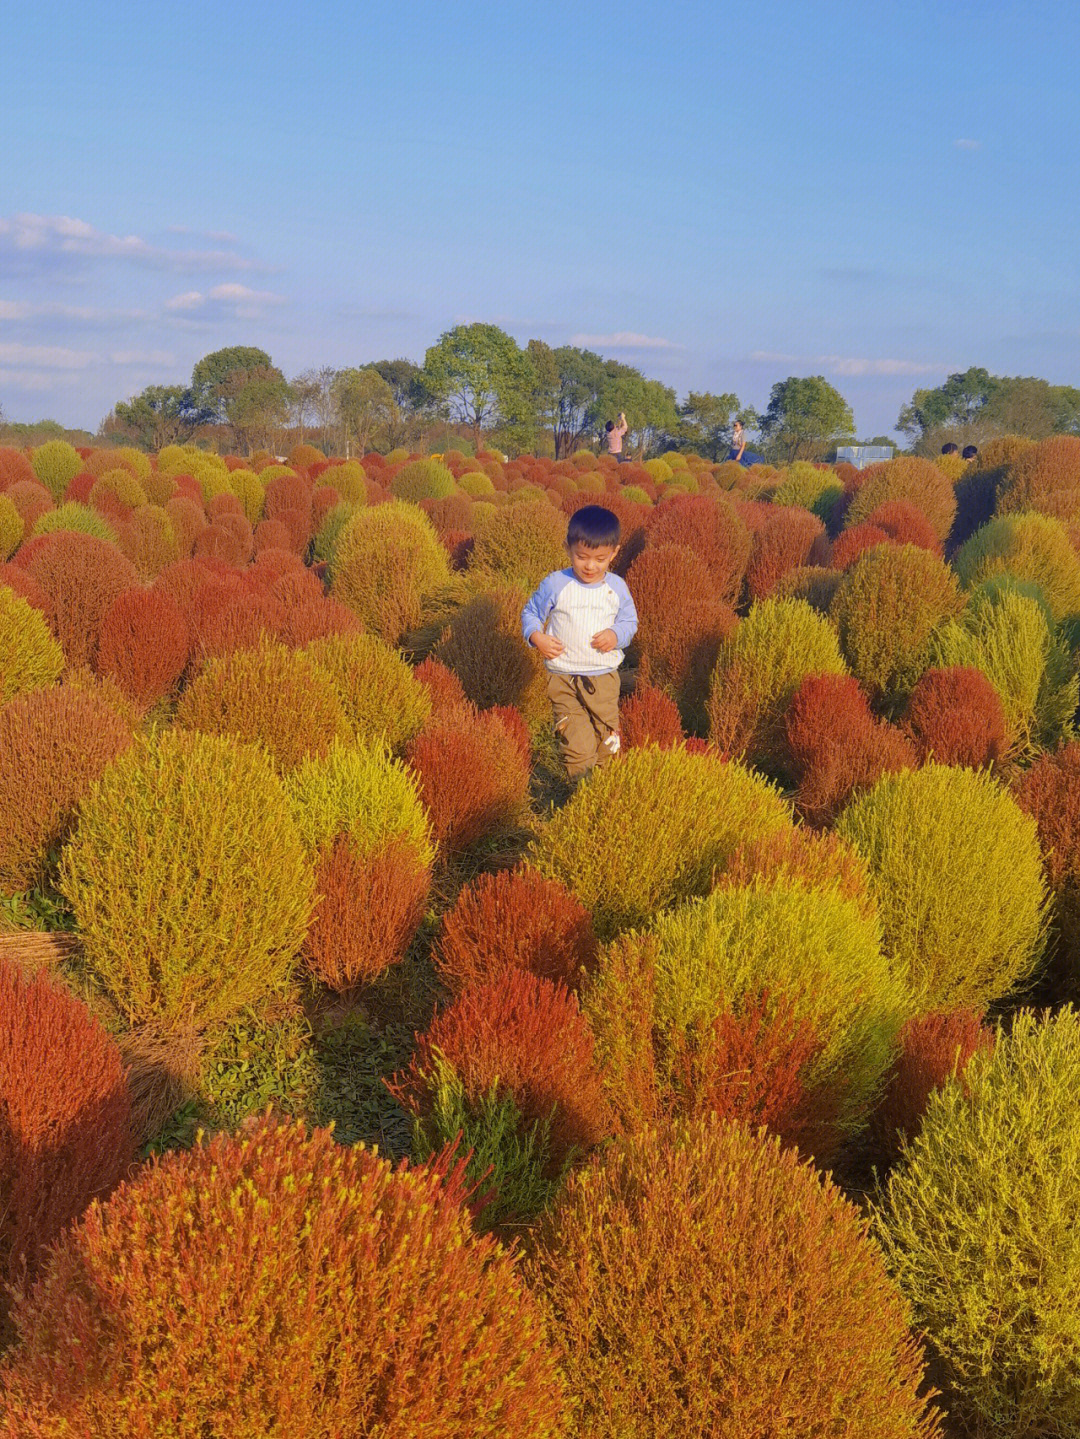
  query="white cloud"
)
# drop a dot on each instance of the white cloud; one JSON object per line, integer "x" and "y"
{"x": 623, "y": 340}
{"x": 45, "y": 357}
{"x": 850, "y": 364}
{"x": 31, "y": 381}
{"x": 245, "y": 303}
{"x": 19, "y": 310}
{"x": 968, "y": 144}
{"x": 48, "y": 237}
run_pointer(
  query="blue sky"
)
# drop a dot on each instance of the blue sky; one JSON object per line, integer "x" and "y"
{"x": 722, "y": 195}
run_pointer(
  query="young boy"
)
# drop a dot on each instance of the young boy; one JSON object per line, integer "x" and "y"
{"x": 581, "y": 619}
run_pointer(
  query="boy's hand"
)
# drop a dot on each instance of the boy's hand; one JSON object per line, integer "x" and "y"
{"x": 605, "y": 641}
{"x": 548, "y": 645}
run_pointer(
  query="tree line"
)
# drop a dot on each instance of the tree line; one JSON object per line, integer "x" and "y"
{"x": 537, "y": 398}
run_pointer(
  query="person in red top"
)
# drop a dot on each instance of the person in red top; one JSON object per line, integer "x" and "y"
{"x": 614, "y": 435}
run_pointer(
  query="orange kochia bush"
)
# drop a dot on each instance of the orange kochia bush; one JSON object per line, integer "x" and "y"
{"x": 54, "y": 743}
{"x": 1050, "y": 792}
{"x": 272, "y": 1282}
{"x": 782, "y": 544}
{"x": 833, "y": 746}
{"x": 473, "y": 779}
{"x": 144, "y": 644}
{"x": 81, "y": 576}
{"x": 525, "y": 1037}
{"x": 649, "y": 716}
{"x": 955, "y": 715}
{"x": 714, "y": 531}
{"x": 515, "y": 919}
{"x": 65, "y": 1120}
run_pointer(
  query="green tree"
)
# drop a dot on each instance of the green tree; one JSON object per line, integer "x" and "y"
{"x": 972, "y": 406}
{"x": 161, "y": 415}
{"x": 482, "y": 378}
{"x": 805, "y": 415}
{"x": 364, "y": 402}
{"x": 256, "y": 404}
{"x": 214, "y": 380}
{"x": 576, "y": 399}
{"x": 707, "y": 421}
{"x": 314, "y": 390}
{"x": 412, "y": 402}
{"x": 546, "y": 385}
{"x": 649, "y": 406}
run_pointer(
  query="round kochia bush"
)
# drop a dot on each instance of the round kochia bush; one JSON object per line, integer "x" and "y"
{"x": 979, "y": 1228}
{"x": 271, "y": 1283}
{"x": 958, "y": 877}
{"x": 596, "y": 844}
{"x": 704, "y": 1284}
{"x": 65, "y": 1119}
{"x": 1028, "y": 547}
{"x": 813, "y": 946}
{"x": 381, "y": 697}
{"x": 191, "y": 887}
{"x": 907, "y": 478}
{"x": 388, "y": 562}
{"x": 29, "y": 656}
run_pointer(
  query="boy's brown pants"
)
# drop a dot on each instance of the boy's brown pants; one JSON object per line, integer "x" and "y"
{"x": 586, "y": 718}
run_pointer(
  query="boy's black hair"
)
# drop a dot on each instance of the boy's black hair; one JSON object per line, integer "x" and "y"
{"x": 952, "y": 448}
{"x": 593, "y": 526}
{"x": 969, "y": 452}
{"x": 610, "y": 425}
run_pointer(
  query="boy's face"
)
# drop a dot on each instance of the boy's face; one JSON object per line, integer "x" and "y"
{"x": 591, "y": 563}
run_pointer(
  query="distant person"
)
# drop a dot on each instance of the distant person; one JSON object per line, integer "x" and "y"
{"x": 969, "y": 452}
{"x": 581, "y": 619}
{"x": 952, "y": 448}
{"x": 738, "y": 443}
{"x": 614, "y": 436}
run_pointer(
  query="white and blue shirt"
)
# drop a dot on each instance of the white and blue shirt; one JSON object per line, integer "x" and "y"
{"x": 573, "y": 612}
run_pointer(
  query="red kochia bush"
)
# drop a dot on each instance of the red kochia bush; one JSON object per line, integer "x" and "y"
{"x": 956, "y": 716}
{"x": 515, "y": 919}
{"x": 370, "y": 906}
{"x": 272, "y": 534}
{"x": 65, "y": 1120}
{"x": 933, "y": 1048}
{"x": 783, "y": 543}
{"x": 82, "y": 576}
{"x": 15, "y": 468}
{"x": 144, "y": 644}
{"x": 681, "y": 623}
{"x": 219, "y": 542}
{"x": 14, "y": 577}
{"x": 649, "y": 716}
{"x": 274, "y": 1283}
{"x": 288, "y": 492}
{"x": 712, "y": 529}
{"x": 54, "y": 743}
{"x": 473, "y": 779}
{"x": 850, "y": 544}
{"x": 31, "y": 499}
{"x": 833, "y": 746}
{"x": 442, "y": 684}
{"x": 905, "y": 524}
{"x": 223, "y": 624}
{"x": 523, "y": 1036}
{"x": 1050, "y": 792}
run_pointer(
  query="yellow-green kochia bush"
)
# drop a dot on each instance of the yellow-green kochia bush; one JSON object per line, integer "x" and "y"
{"x": 12, "y": 528}
{"x": 378, "y": 692}
{"x": 979, "y": 1227}
{"x": 812, "y": 946}
{"x": 1029, "y": 547}
{"x": 79, "y": 518}
{"x": 423, "y": 480}
{"x": 759, "y": 668}
{"x": 652, "y": 830}
{"x": 958, "y": 877}
{"x": 885, "y": 611}
{"x": 1007, "y": 633}
{"x": 56, "y": 463}
{"x": 189, "y": 881}
{"x": 29, "y": 655}
{"x": 388, "y": 562}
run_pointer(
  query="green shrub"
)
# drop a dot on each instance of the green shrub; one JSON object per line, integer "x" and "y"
{"x": 885, "y": 610}
{"x": 482, "y": 645}
{"x": 250, "y": 491}
{"x": 475, "y": 484}
{"x": 380, "y": 696}
{"x": 978, "y": 1223}
{"x": 1006, "y": 632}
{"x": 189, "y": 882}
{"x": 815, "y": 490}
{"x": 11, "y": 528}
{"x": 635, "y": 494}
{"x": 120, "y": 483}
{"x": 56, "y": 463}
{"x": 519, "y": 546}
{"x": 349, "y": 479}
{"x": 388, "y": 564}
{"x": 79, "y": 518}
{"x": 270, "y": 696}
{"x": 702, "y": 1283}
{"x": 324, "y": 546}
{"x": 361, "y": 792}
{"x": 957, "y": 873}
{"x": 1029, "y": 547}
{"x": 699, "y": 810}
{"x": 759, "y": 668}
{"x": 659, "y": 471}
{"x": 423, "y": 480}
{"x": 919, "y": 481}
{"x": 812, "y": 946}
{"x": 29, "y": 655}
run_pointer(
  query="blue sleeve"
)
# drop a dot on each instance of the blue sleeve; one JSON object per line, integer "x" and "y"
{"x": 625, "y": 625}
{"x": 540, "y": 604}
